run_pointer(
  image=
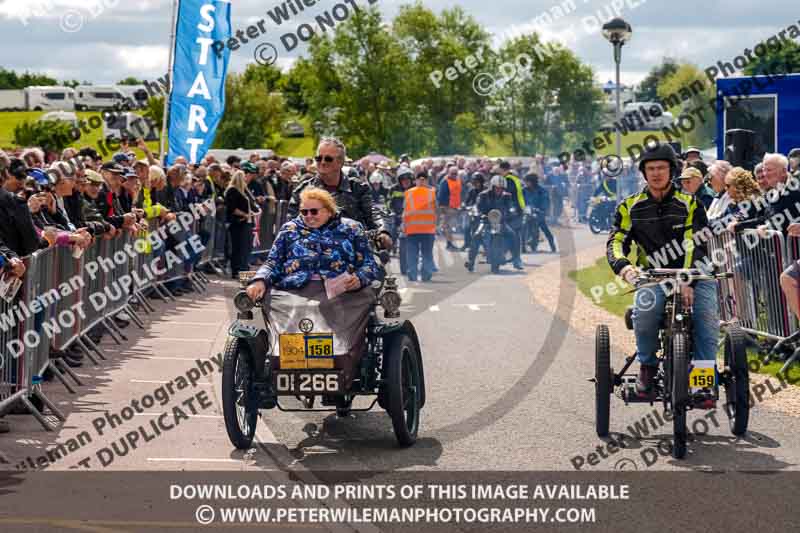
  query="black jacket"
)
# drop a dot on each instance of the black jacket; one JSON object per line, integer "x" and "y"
{"x": 16, "y": 226}
{"x": 660, "y": 230}
{"x": 488, "y": 200}
{"x": 109, "y": 206}
{"x": 353, "y": 197}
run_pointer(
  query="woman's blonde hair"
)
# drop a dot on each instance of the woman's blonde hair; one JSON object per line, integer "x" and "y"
{"x": 744, "y": 182}
{"x": 237, "y": 182}
{"x": 320, "y": 195}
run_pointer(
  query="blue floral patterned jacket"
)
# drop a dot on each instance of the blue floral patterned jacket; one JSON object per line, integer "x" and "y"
{"x": 299, "y": 252}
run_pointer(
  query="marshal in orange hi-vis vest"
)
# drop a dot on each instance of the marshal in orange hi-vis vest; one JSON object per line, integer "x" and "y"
{"x": 419, "y": 212}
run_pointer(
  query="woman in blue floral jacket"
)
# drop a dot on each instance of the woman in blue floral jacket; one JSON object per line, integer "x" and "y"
{"x": 317, "y": 245}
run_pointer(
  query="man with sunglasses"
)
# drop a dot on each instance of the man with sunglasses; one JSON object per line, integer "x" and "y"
{"x": 353, "y": 197}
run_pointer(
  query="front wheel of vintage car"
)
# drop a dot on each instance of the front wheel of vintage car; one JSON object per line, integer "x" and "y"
{"x": 403, "y": 388}
{"x": 238, "y": 406}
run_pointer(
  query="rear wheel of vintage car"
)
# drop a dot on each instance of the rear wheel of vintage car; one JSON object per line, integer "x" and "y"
{"x": 680, "y": 392}
{"x": 239, "y": 408}
{"x": 736, "y": 386}
{"x": 602, "y": 380}
{"x": 403, "y": 388}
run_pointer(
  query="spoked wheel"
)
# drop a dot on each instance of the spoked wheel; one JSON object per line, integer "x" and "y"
{"x": 603, "y": 384}
{"x": 238, "y": 406}
{"x": 737, "y": 404}
{"x": 403, "y": 388}
{"x": 680, "y": 393}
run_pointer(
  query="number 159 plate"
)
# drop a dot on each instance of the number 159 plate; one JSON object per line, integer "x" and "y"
{"x": 299, "y": 382}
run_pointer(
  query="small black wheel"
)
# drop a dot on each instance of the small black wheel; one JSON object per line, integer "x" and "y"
{"x": 737, "y": 405}
{"x": 680, "y": 393}
{"x": 403, "y": 388}
{"x": 603, "y": 384}
{"x": 497, "y": 253}
{"x": 239, "y": 408}
{"x": 595, "y": 224}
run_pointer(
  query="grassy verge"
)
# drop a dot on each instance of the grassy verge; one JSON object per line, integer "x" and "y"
{"x": 608, "y": 293}
{"x": 612, "y": 300}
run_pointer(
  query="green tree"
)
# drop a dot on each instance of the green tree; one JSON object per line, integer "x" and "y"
{"x": 267, "y": 75}
{"x": 686, "y": 90}
{"x": 648, "y": 89}
{"x": 154, "y": 111}
{"x": 11, "y": 80}
{"x": 130, "y": 80}
{"x": 433, "y": 44}
{"x": 776, "y": 61}
{"x": 51, "y": 135}
{"x": 543, "y": 91}
{"x": 252, "y": 117}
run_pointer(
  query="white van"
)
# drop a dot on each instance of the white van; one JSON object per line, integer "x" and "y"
{"x": 97, "y": 97}
{"x": 132, "y": 125}
{"x": 46, "y": 98}
{"x": 138, "y": 93}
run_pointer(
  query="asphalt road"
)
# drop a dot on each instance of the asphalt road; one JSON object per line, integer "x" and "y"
{"x": 507, "y": 390}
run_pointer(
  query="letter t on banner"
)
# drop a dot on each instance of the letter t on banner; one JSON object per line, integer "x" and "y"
{"x": 197, "y": 100}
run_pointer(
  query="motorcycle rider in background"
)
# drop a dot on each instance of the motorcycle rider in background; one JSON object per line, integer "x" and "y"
{"x": 496, "y": 197}
{"x": 537, "y": 199}
{"x": 395, "y": 202}
{"x": 478, "y": 182}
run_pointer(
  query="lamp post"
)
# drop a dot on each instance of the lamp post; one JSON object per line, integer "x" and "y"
{"x": 617, "y": 32}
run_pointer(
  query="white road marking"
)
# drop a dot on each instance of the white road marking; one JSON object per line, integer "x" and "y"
{"x": 190, "y": 416}
{"x": 434, "y": 309}
{"x": 165, "y": 382}
{"x": 172, "y": 339}
{"x": 181, "y": 358}
{"x": 474, "y": 307}
{"x": 193, "y": 460}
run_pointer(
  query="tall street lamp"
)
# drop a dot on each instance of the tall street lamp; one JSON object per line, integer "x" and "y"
{"x": 618, "y": 32}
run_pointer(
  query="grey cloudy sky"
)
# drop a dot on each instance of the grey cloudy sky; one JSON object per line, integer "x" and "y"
{"x": 116, "y": 39}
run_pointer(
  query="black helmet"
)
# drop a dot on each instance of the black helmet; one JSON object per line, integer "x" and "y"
{"x": 659, "y": 152}
{"x": 795, "y": 152}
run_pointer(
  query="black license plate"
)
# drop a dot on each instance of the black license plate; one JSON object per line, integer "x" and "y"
{"x": 300, "y": 382}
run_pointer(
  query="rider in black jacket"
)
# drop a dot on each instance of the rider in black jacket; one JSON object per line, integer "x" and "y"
{"x": 496, "y": 197}
{"x": 353, "y": 196}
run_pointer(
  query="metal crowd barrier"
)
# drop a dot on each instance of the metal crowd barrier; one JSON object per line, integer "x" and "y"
{"x": 753, "y": 297}
{"x": 63, "y": 299}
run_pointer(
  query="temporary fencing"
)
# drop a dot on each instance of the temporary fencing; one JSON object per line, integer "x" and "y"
{"x": 753, "y": 297}
{"x": 65, "y": 298}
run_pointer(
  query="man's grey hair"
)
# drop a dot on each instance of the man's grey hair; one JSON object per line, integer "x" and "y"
{"x": 758, "y": 168}
{"x": 722, "y": 166}
{"x": 335, "y": 142}
{"x": 36, "y": 152}
{"x": 780, "y": 159}
{"x": 288, "y": 165}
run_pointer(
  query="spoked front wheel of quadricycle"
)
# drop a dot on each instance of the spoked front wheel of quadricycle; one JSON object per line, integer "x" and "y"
{"x": 680, "y": 392}
{"x": 603, "y": 384}
{"x": 403, "y": 388}
{"x": 239, "y": 409}
{"x": 737, "y": 381}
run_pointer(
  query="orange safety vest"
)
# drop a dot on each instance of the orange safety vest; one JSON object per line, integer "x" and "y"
{"x": 419, "y": 211}
{"x": 455, "y": 192}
